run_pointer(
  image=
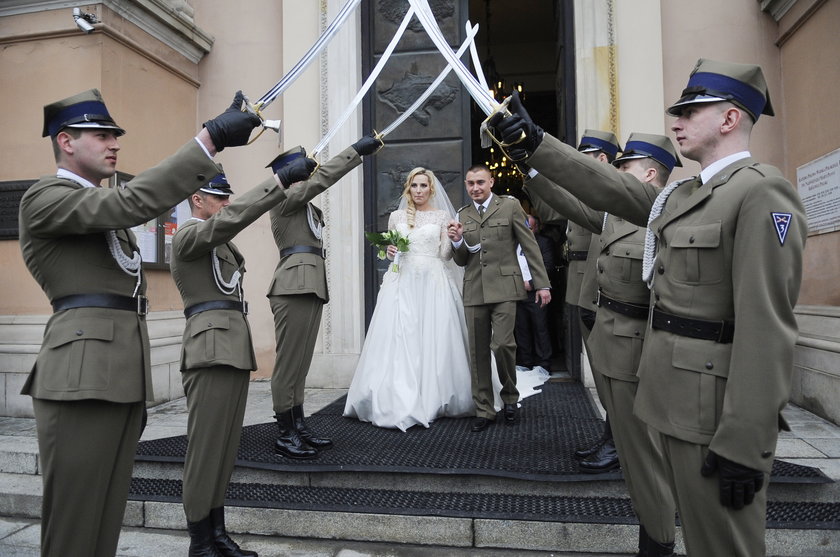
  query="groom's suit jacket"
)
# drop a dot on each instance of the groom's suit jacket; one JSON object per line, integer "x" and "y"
{"x": 492, "y": 273}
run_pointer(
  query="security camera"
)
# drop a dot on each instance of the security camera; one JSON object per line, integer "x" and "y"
{"x": 84, "y": 20}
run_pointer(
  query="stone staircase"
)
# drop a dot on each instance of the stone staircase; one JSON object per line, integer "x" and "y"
{"x": 455, "y": 511}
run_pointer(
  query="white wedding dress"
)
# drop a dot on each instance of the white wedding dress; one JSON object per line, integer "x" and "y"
{"x": 415, "y": 363}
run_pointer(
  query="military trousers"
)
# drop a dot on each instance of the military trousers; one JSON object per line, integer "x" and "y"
{"x": 640, "y": 457}
{"x": 86, "y": 451}
{"x": 296, "y": 322}
{"x": 708, "y": 527}
{"x": 216, "y": 398}
{"x": 490, "y": 328}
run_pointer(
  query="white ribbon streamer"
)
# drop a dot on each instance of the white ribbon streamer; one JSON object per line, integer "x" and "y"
{"x": 471, "y": 32}
{"x": 368, "y": 82}
{"x": 310, "y": 55}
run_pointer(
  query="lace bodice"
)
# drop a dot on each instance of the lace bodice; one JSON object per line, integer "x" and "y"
{"x": 428, "y": 237}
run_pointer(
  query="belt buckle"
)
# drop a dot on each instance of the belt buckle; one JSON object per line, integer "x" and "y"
{"x": 721, "y": 331}
{"x": 244, "y": 307}
{"x": 142, "y": 305}
{"x": 323, "y": 253}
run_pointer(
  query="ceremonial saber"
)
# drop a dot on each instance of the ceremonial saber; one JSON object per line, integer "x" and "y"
{"x": 469, "y": 42}
{"x": 479, "y": 71}
{"x": 487, "y": 103}
{"x": 480, "y": 95}
{"x": 367, "y": 84}
{"x": 299, "y": 67}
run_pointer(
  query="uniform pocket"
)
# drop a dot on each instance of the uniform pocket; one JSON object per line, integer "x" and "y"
{"x": 207, "y": 334}
{"x": 499, "y": 228}
{"x": 699, "y": 383}
{"x": 78, "y": 355}
{"x": 696, "y": 254}
{"x": 297, "y": 274}
{"x": 624, "y": 264}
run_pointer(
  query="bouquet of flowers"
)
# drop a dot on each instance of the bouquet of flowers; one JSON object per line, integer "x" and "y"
{"x": 381, "y": 240}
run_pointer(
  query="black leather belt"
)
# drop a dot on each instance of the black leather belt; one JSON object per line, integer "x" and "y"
{"x": 718, "y": 331}
{"x": 216, "y": 304}
{"x": 636, "y": 311}
{"x": 303, "y": 249}
{"x": 576, "y": 255}
{"x": 140, "y": 304}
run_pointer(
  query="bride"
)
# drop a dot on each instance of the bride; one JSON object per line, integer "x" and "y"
{"x": 415, "y": 364}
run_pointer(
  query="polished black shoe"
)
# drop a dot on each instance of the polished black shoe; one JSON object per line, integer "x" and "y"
{"x": 480, "y": 424}
{"x": 318, "y": 443}
{"x": 510, "y": 413}
{"x": 224, "y": 544}
{"x": 603, "y": 460}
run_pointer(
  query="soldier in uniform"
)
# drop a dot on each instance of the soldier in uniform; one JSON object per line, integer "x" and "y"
{"x": 581, "y": 287}
{"x": 618, "y": 333}
{"x": 724, "y": 264}
{"x": 484, "y": 240}
{"x": 92, "y": 374}
{"x": 217, "y": 353}
{"x": 298, "y": 293}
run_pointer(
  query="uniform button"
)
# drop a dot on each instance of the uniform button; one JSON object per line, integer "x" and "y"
{"x": 766, "y": 454}
{"x": 484, "y": 264}
{"x": 710, "y": 365}
{"x": 266, "y": 189}
{"x": 600, "y": 270}
{"x": 209, "y": 324}
{"x": 691, "y": 240}
{"x": 627, "y": 252}
{"x": 661, "y": 270}
{"x": 637, "y": 333}
{"x": 656, "y": 297}
{"x": 79, "y": 333}
{"x": 200, "y": 177}
{"x": 606, "y": 252}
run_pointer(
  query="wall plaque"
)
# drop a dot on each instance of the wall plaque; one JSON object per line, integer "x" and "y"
{"x": 10, "y": 195}
{"x": 818, "y": 183}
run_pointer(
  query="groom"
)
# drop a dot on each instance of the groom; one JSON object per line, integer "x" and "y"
{"x": 484, "y": 240}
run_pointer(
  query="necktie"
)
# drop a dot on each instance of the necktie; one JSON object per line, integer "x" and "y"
{"x": 481, "y": 210}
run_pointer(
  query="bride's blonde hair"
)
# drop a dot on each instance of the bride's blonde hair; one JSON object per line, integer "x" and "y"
{"x": 411, "y": 210}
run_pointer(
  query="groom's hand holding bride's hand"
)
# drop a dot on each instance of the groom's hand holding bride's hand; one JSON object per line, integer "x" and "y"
{"x": 455, "y": 230}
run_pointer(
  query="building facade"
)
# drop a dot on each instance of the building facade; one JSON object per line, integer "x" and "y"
{"x": 165, "y": 66}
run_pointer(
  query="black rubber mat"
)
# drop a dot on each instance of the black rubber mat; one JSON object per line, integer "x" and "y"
{"x": 601, "y": 510}
{"x": 539, "y": 446}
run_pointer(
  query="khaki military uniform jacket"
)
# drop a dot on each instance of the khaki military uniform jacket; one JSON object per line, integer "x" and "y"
{"x": 578, "y": 239}
{"x": 492, "y": 274}
{"x": 304, "y": 273}
{"x": 219, "y": 336}
{"x": 616, "y": 253}
{"x": 97, "y": 353}
{"x": 721, "y": 257}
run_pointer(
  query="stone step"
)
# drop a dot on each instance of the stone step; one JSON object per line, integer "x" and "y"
{"x": 428, "y": 527}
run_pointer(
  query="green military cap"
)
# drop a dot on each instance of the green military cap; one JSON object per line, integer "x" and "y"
{"x": 646, "y": 145}
{"x": 85, "y": 110}
{"x": 740, "y": 84}
{"x": 596, "y": 140}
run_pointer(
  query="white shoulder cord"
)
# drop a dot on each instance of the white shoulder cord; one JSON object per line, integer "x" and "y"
{"x": 651, "y": 244}
{"x": 604, "y": 224}
{"x": 314, "y": 225}
{"x": 225, "y": 287}
{"x": 131, "y": 266}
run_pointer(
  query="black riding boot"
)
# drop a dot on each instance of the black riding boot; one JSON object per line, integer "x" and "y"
{"x": 289, "y": 444}
{"x": 224, "y": 544}
{"x": 319, "y": 443}
{"x": 201, "y": 539}
{"x": 643, "y": 542}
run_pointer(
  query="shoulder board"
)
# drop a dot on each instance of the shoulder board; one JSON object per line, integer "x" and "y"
{"x": 462, "y": 208}
{"x": 509, "y": 197}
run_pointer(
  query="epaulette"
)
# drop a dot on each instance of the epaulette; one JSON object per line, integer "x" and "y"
{"x": 462, "y": 208}
{"x": 509, "y": 197}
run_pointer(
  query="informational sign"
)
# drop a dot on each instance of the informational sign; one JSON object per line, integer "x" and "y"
{"x": 818, "y": 183}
